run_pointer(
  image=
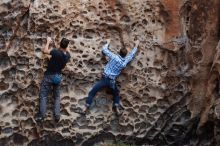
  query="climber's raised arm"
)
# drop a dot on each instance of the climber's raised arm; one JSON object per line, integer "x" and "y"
{"x": 46, "y": 48}
{"x": 106, "y": 51}
{"x": 131, "y": 54}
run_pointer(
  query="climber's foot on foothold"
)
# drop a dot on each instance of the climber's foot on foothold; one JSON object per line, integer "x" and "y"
{"x": 80, "y": 111}
{"x": 39, "y": 118}
{"x": 117, "y": 111}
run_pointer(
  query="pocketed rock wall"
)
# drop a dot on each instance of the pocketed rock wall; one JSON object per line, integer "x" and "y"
{"x": 170, "y": 91}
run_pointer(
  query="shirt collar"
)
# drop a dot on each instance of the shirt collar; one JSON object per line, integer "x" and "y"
{"x": 121, "y": 57}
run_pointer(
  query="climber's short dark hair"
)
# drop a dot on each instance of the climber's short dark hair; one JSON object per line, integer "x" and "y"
{"x": 64, "y": 43}
{"x": 123, "y": 52}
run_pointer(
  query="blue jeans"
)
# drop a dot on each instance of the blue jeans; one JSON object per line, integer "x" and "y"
{"x": 104, "y": 82}
{"x": 44, "y": 91}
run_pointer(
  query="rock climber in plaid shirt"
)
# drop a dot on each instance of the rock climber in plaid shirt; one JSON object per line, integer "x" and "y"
{"x": 111, "y": 71}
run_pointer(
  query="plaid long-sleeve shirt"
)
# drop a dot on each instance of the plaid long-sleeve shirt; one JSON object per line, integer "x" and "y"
{"x": 116, "y": 62}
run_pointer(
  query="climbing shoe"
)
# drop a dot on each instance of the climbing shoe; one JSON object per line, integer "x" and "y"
{"x": 39, "y": 118}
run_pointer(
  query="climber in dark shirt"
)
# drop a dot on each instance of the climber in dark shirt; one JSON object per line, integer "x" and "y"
{"x": 52, "y": 77}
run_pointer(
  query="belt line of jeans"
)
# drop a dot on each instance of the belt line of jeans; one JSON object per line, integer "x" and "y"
{"x": 105, "y": 76}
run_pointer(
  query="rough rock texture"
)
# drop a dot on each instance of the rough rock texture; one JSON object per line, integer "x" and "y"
{"x": 170, "y": 91}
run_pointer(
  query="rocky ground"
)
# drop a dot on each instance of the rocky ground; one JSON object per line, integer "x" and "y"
{"x": 170, "y": 91}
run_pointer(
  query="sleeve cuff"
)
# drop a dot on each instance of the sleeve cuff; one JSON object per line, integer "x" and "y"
{"x": 106, "y": 45}
{"x": 135, "y": 49}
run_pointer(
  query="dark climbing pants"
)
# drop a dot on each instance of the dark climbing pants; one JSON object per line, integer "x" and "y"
{"x": 46, "y": 87}
{"x": 104, "y": 82}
